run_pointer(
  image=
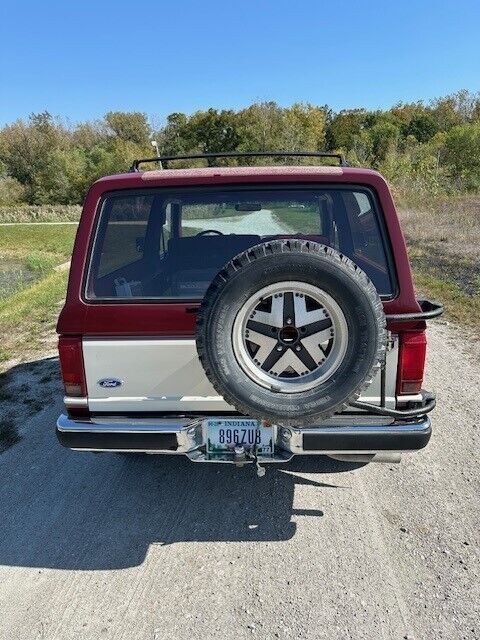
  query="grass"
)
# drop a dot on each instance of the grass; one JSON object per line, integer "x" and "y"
{"x": 21, "y": 241}
{"x": 38, "y": 263}
{"x": 443, "y": 240}
{"x": 450, "y": 225}
{"x": 31, "y": 291}
{"x": 28, "y": 253}
{"x": 298, "y": 220}
{"x": 28, "y": 315}
{"x": 40, "y": 213}
{"x": 459, "y": 306}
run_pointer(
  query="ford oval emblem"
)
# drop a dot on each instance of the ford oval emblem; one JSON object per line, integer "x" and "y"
{"x": 108, "y": 383}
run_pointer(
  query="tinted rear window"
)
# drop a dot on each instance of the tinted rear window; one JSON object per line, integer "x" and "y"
{"x": 168, "y": 244}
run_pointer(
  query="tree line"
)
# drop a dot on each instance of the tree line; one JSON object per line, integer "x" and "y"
{"x": 423, "y": 148}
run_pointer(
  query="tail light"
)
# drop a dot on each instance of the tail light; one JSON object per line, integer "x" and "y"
{"x": 411, "y": 362}
{"x": 71, "y": 364}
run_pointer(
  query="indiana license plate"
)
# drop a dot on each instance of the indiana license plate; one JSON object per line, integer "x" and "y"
{"x": 223, "y": 435}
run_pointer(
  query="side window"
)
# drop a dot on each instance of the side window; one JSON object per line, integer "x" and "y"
{"x": 165, "y": 231}
{"x": 122, "y": 235}
{"x": 124, "y": 232}
{"x": 364, "y": 203}
{"x": 366, "y": 237}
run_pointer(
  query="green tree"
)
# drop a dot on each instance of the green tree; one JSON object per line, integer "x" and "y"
{"x": 87, "y": 134}
{"x": 422, "y": 147}
{"x": 423, "y": 126}
{"x": 384, "y": 137}
{"x": 30, "y": 153}
{"x": 174, "y": 139}
{"x": 361, "y": 151}
{"x": 131, "y": 127}
{"x": 11, "y": 191}
{"x": 213, "y": 130}
{"x": 462, "y": 154}
{"x": 303, "y": 128}
{"x": 344, "y": 127}
{"x": 260, "y": 127}
{"x": 402, "y": 113}
{"x": 458, "y": 108}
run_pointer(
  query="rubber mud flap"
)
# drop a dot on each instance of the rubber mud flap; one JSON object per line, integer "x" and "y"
{"x": 291, "y": 331}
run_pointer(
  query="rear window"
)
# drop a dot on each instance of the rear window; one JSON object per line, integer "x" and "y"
{"x": 169, "y": 244}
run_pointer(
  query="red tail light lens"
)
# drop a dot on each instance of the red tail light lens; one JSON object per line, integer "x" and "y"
{"x": 411, "y": 362}
{"x": 71, "y": 365}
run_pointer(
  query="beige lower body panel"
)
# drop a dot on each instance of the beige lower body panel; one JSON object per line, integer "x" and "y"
{"x": 162, "y": 375}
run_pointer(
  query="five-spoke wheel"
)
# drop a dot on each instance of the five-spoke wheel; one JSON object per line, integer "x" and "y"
{"x": 290, "y": 335}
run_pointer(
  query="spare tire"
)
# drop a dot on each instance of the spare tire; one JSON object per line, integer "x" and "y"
{"x": 291, "y": 331}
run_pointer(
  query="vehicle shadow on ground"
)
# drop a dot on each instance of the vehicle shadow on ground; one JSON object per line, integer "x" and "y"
{"x": 68, "y": 510}
{"x": 109, "y": 520}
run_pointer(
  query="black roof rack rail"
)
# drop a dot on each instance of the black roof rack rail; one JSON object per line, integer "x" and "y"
{"x": 164, "y": 160}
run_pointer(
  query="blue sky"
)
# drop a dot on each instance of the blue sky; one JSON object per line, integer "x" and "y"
{"x": 80, "y": 59}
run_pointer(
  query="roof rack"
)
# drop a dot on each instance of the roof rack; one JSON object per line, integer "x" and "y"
{"x": 164, "y": 160}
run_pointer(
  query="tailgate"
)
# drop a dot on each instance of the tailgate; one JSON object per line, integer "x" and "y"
{"x": 163, "y": 375}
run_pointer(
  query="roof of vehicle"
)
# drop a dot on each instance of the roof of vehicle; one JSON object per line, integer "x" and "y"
{"x": 212, "y": 175}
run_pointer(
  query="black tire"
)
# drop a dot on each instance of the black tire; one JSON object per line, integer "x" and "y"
{"x": 286, "y": 261}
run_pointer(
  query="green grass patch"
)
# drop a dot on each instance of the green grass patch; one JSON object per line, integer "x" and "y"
{"x": 39, "y": 263}
{"x": 34, "y": 303}
{"x": 29, "y": 314}
{"x": 298, "y": 220}
{"x": 29, "y": 253}
{"x": 459, "y": 306}
{"x": 24, "y": 240}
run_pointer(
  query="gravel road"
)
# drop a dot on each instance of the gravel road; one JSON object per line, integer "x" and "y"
{"x": 134, "y": 548}
{"x": 260, "y": 222}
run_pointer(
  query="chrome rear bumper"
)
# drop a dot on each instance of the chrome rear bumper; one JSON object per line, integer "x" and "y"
{"x": 184, "y": 436}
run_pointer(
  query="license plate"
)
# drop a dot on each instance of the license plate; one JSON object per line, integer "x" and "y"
{"x": 224, "y": 435}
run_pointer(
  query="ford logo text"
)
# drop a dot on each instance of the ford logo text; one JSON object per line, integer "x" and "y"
{"x": 108, "y": 383}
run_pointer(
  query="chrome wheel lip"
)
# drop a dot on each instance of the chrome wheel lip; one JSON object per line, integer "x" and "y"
{"x": 303, "y": 382}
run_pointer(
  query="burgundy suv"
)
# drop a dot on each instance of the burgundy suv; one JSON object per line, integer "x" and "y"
{"x": 243, "y": 314}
